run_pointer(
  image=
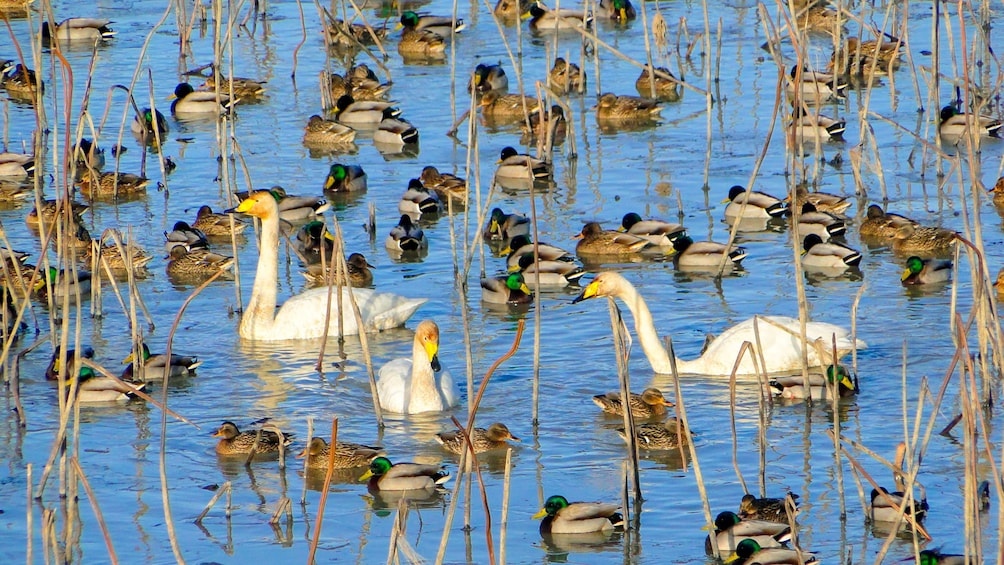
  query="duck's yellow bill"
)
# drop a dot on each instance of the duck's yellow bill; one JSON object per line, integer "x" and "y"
{"x": 303, "y": 453}
{"x": 539, "y": 515}
{"x": 128, "y": 359}
{"x": 726, "y": 201}
{"x": 732, "y": 558}
{"x": 524, "y": 289}
{"x": 172, "y": 97}
{"x": 906, "y": 275}
{"x": 366, "y": 475}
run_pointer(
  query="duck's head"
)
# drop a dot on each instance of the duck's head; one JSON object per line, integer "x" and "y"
{"x": 808, "y": 208}
{"x": 337, "y": 173}
{"x": 560, "y": 64}
{"x": 681, "y": 243}
{"x": 515, "y": 282}
{"x": 620, "y": 8}
{"x": 725, "y": 520}
{"x": 744, "y": 550}
{"x": 488, "y": 99}
{"x": 316, "y": 447}
{"x": 948, "y": 112}
{"x": 358, "y": 260}
{"x": 427, "y": 334}
{"x": 344, "y": 101}
{"x": 499, "y": 431}
{"x": 497, "y": 219}
{"x": 261, "y": 204}
{"x": 378, "y": 467}
{"x": 608, "y": 100}
{"x": 733, "y": 193}
{"x": 998, "y": 186}
{"x": 228, "y": 430}
{"x": 535, "y": 11}
{"x": 524, "y": 263}
{"x": 838, "y": 374}
{"x": 409, "y": 20}
{"x": 182, "y": 90}
{"x": 515, "y": 244}
{"x": 552, "y": 506}
{"x": 809, "y": 241}
{"x": 654, "y": 396}
{"x": 591, "y": 229}
{"x": 630, "y": 219}
{"x": 914, "y": 265}
{"x": 875, "y": 212}
{"x": 604, "y": 284}
{"x": 506, "y": 151}
{"x": 131, "y": 357}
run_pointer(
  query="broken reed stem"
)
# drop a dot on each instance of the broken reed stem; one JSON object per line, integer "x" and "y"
{"x": 621, "y": 350}
{"x": 481, "y": 487}
{"x": 224, "y": 489}
{"x": 324, "y": 493}
{"x": 504, "y": 519}
{"x": 746, "y": 346}
{"x": 97, "y": 510}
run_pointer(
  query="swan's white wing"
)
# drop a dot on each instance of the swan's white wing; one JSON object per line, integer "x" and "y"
{"x": 448, "y": 388}
{"x": 302, "y": 316}
{"x": 394, "y": 385}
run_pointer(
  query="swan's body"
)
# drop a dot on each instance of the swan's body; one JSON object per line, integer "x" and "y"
{"x": 779, "y": 337}
{"x": 410, "y": 386}
{"x": 303, "y": 316}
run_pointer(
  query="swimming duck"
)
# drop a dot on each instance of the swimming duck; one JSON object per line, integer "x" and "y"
{"x": 213, "y": 224}
{"x": 770, "y": 509}
{"x": 341, "y": 34}
{"x": 16, "y": 165}
{"x": 143, "y": 125}
{"x": 409, "y": 385}
{"x": 93, "y": 387}
{"x": 406, "y": 236}
{"x": 758, "y": 204}
{"x": 594, "y": 240}
{"x": 506, "y": 108}
{"x": 806, "y": 128}
{"x": 820, "y": 223}
{"x": 449, "y": 187}
{"x": 53, "y": 208}
{"x": 816, "y": 253}
{"x": 238, "y": 87}
{"x": 88, "y": 156}
{"x": 549, "y": 273}
{"x": 155, "y": 366}
{"x": 421, "y": 43}
{"x": 327, "y": 132}
{"x": 345, "y": 178}
{"x": 442, "y": 26}
{"x": 128, "y": 256}
{"x": 730, "y": 529}
{"x": 509, "y": 11}
{"x": 418, "y": 201}
{"x": 394, "y": 131}
{"x": 103, "y": 184}
{"x": 885, "y": 506}
{"x": 922, "y": 240}
{"x": 502, "y": 226}
{"x": 620, "y": 11}
{"x": 507, "y": 289}
{"x": 815, "y": 16}
{"x": 655, "y": 231}
{"x": 782, "y": 349}
{"x": 955, "y": 124}
{"x": 186, "y": 236}
{"x": 882, "y": 224}
{"x": 54, "y": 368}
{"x": 487, "y": 78}
{"x": 80, "y": 286}
{"x": 187, "y": 100}
{"x": 814, "y": 87}
{"x": 659, "y": 436}
{"x": 875, "y": 57}
{"x": 562, "y": 517}
{"x": 612, "y": 107}
{"x": 383, "y": 475}
{"x": 363, "y": 112}
{"x": 513, "y": 165}
{"x": 666, "y": 90}
{"x": 309, "y": 314}
{"x": 705, "y": 253}
{"x": 521, "y": 245}
{"x": 235, "y": 442}
{"x": 313, "y": 240}
{"x": 565, "y": 77}
{"x": 544, "y": 19}
{"x": 820, "y": 386}
{"x": 360, "y": 82}
{"x": 998, "y": 192}
{"x": 197, "y": 263}
{"x": 823, "y": 201}
{"x": 925, "y": 271}
{"x": 78, "y": 29}
{"x": 483, "y": 440}
{"x": 19, "y": 81}
{"x": 750, "y": 552}
{"x": 347, "y": 455}
{"x": 546, "y": 125}
{"x": 360, "y": 275}
{"x": 650, "y": 403}
{"x": 936, "y": 557}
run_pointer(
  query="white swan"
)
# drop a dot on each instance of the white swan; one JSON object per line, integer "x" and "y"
{"x": 410, "y": 386}
{"x": 781, "y": 345}
{"x": 303, "y": 315}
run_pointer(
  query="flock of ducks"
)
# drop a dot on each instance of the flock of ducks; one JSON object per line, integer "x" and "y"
{"x": 759, "y": 532}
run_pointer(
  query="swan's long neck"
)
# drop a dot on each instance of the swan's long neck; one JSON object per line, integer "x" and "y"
{"x": 645, "y": 328}
{"x": 424, "y": 395}
{"x": 260, "y": 312}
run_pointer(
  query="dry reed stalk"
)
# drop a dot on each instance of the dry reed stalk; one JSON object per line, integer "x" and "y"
{"x": 621, "y": 339}
{"x": 284, "y": 507}
{"x": 97, "y": 510}
{"x": 324, "y": 493}
{"x": 296, "y": 50}
{"x": 681, "y": 412}
{"x": 746, "y": 346}
{"x": 481, "y": 483}
{"x": 448, "y": 521}
{"x": 225, "y": 488}
{"x": 397, "y": 533}
{"x": 29, "y": 517}
{"x": 504, "y": 518}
